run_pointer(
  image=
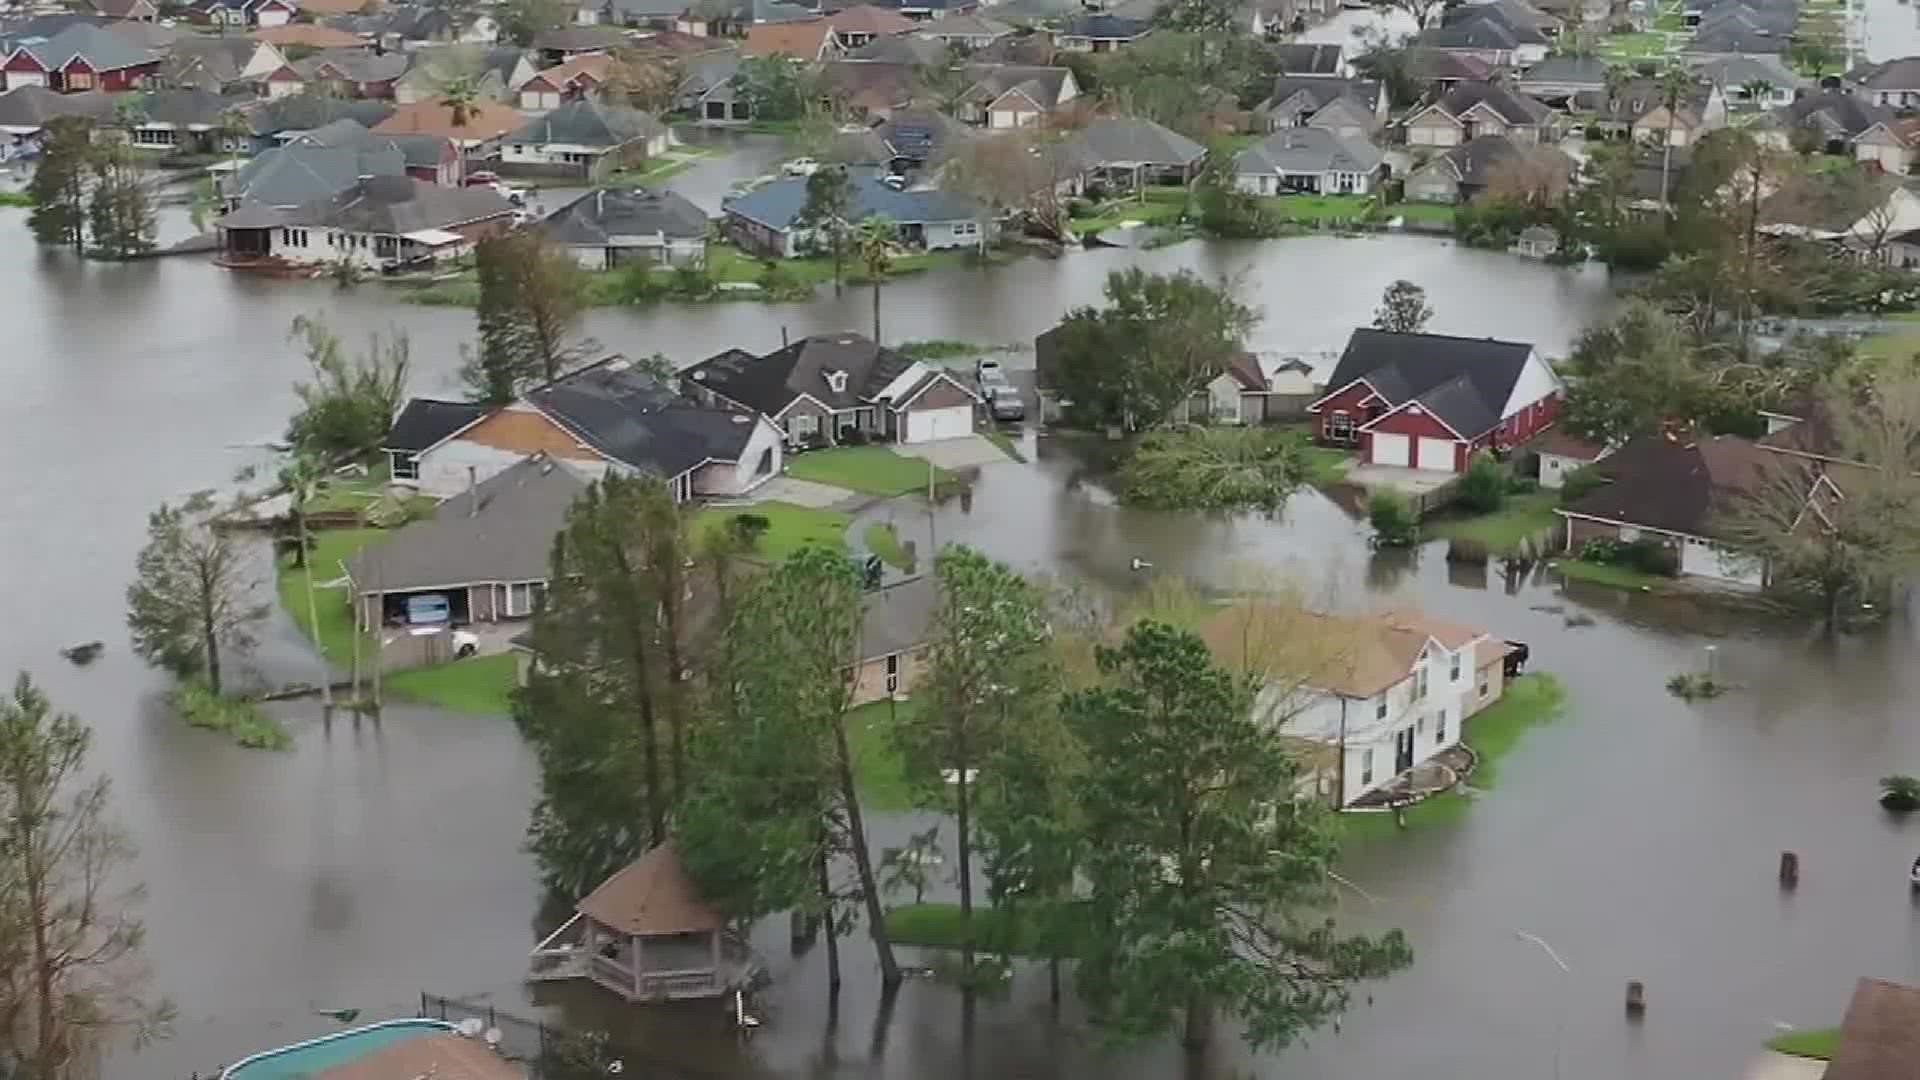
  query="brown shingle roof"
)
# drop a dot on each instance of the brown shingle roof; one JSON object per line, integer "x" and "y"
{"x": 1880, "y": 1038}
{"x": 1361, "y": 655}
{"x": 485, "y": 120}
{"x": 867, "y": 19}
{"x": 1563, "y": 443}
{"x": 440, "y": 1055}
{"x": 802, "y": 40}
{"x": 653, "y": 895}
{"x": 1662, "y": 483}
{"x": 318, "y": 37}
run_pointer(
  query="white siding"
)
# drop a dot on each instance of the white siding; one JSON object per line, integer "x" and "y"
{"x": 1554, "y": 469}
{"x": 1536, "y": 381}
{"x": 1223, "y": 400}
{"x": 1700, "y": 558}
{"x": 954, "y": 234}
{"x": 274, "y": 17}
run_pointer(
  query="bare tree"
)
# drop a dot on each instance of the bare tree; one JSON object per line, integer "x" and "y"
{"x": 1536, "y": 176}
{"x": 190, "y": 597}
{"x": 1019, "y": 172}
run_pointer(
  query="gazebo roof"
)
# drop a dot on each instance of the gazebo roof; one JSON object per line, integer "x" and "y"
{"x": 651, "y": 897}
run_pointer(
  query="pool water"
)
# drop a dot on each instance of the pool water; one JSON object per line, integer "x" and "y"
{"x": 310, "y": 1058}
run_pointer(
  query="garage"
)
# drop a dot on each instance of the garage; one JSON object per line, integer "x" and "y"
{"x": 1389, "y": 449}
{"x": 1435, "y": 455}
{"x": 948, "y": 422}
{"x": 1698, "y": 558}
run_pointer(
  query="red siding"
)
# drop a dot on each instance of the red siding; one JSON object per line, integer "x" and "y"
{"x": 1420, "y": 425}
{"x": 1347, "y": 401}
{"x": 21, "y": 60}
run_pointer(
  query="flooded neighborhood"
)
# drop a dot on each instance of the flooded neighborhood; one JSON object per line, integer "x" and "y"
{"x": 1683, "y": 854}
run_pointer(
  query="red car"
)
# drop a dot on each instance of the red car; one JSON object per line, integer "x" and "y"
{"x": 483, "y": 178}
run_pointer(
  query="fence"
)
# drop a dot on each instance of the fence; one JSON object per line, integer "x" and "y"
{"x": 549, "y": 1052}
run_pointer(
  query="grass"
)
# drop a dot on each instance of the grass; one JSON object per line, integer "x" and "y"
{"x": 943, "y": 349}
{"x": 362, "y": 492}
{"x": 478, "y": 684}
{"x": 669, "y": 164}
{"x": 1158, "y": 208}
{"x": 1817, "y": 1043}
{"x": 1614, "y": 577}
{"x": 1641, "y": 45}
{"x": 1519, "y": 518}
{"x": 244, "y": 721}
{"x": 1318, "y": 207}
{"x": 995, "y": 930}
{"x": 1891, "y": 344}
{"x": 1326, "y": 466}
{"x": 15, "y": 198}
{"x": 878, "y": 772}
{"x": 871, "y": 470}
{"x": 883, "y": 540}
{"x": 1432, "y": 212}
{"x": 335, "y": 632}
{"x": 1006, "y": 444}
{"x": 789, "y": 527}
{"x": 727, "y": 263}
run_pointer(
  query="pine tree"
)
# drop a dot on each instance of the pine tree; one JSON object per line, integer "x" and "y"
{"x": 119, "y": 211}
{"x": 59, "y": 184}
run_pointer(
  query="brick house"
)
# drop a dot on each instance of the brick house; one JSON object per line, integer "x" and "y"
{"x": 1431, "y": 401}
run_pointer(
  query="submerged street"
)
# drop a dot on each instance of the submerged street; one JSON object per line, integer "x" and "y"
{"x": 1637, "y": 834}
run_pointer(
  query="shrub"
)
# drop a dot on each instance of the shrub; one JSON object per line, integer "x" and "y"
{"x": 1392, "y": 519}
{"x": 239, "y": 718}
{"x": 1578, "y": 483}
{"x": 1649, "y": 556}
{"x": 1079, "y": 208}
{"x": 1900, "y": 793}
{"x": 638, "y": 284}
{"x": 1522, "y": 485}
{"x": 1690, "y": 687}
{"x": 691, "y": 282}
{"x": 1484, "y": 486}
{"x": 748, "y": 528}
{"x": 1214, "y": 468}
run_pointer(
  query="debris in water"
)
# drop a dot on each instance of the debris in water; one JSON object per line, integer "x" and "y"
{"x": 1578, "y": 618}
{"x": 84, "y": 654}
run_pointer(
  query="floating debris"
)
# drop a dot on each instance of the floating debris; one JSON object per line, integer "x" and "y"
{"x": 84, "y": 654}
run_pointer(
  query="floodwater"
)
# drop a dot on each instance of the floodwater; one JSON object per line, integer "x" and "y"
{"x": 1638, "y": 835}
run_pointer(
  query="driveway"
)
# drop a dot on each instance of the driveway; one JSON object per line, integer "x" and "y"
{"x": 966, "y": 452}
{"x": 805, "y": 493}
{"x": 1394, "y": 478}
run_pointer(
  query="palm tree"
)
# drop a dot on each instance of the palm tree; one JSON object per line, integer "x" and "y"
{"x": 1757, "y": 91}
{"x": 460, "y": 96}
{"x": 874, "y": 241}
{"x": 1675, "y": 81}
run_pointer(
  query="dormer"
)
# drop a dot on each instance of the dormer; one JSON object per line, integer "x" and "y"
{"x": 836, "y": 381}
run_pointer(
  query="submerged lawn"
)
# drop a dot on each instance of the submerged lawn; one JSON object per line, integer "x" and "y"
{"x": 871, "y": 470}
{"x": 1519, "y": 518}
{"x": 1614, "y": 577}
{"x": 883, "y": 540}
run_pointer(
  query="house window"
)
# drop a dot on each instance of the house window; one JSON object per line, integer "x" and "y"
{"x": 1380, "y": 708}
{"x": 519, "y": 600}
{"x": 845, "y": 422}
{"x": 1455, "y": 671}
{"x": 79, "y": 80}
{"x": 1483, "y": 684}
{"x": 1420, "y": 684}
{"x": 801, "y": 425}
{"x": 404, "y": 467}
{"x": 893, "y": 673}
{"x": 1440, "y": 728}
{"x": 1340, "y": 427}
{"x": 766, "y": 462}
{"x": 1366, "y": 767}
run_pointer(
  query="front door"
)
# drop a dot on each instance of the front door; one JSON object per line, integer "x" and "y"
{"x": 1403, "y": 751}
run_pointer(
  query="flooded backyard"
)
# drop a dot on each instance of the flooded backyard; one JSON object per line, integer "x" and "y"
{"x": 1638, "y": 835}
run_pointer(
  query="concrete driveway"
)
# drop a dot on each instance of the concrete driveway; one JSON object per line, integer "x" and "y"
{"x": 1394, "y": 478}
{"x": 805, "y": 493}
{"x": 967, "y": 452}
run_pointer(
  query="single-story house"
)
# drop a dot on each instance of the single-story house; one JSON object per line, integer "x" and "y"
{"x": 607, "y": 416}
{"x": 495, "y": 71}
{"x": 1880, "y": 1036}
{"x": 479, "y": 133}
{"x": 764, "y": 220}
{"x": 1354, "y": 108}
{"x": 1674, "y": 490}
{"x": 433, "y": 158}
{"x": 1256, "y": 388}
{"x": 1383, "y": 693}
{"x": 1099, "y": 33}
{"x": 1486, "y": 38}
{"x": 609, "y": 227}
{"x": 263, "y": 13}
{"x": 485, "y": 549}
{"x": 969, "y": 31}
{"x": 709, "y": 90}
{"x": 808, "y": 41}
{"x": 1015, "y": 95}
{"x": 422, "y": 423}
{"x": 1464, "y": 171}
{"x": 1891, "y": 84}
{"x": 1561, "y": 452}
{"x": 1536, "y": 242}
{"x": 353, "y": 73}
{"x": 1831, "y": 118}
{"x": 1308, "y": 159}
{"x": 25, "y": 111}
{"x": 179, "y": 121}
{"x": 1558, "y": 78}
{"x": 1638, "y": 109}
{"x": 1741, "y": 80}
{"x": 221, "y": 64}
{"x": 1431, "y": 401}
{"x": 829, "y": 388}
{"x": 1837, "y": 208}
{"x": 1125, "y": 151}
{"x": 281, "y": 120}
{"x": 593, "y": 137}
{"x": 562, "y": 43}
{"x": 379, "y": 222}
{"x": 896, "y": 623}
{"x": 1473, "y": 110}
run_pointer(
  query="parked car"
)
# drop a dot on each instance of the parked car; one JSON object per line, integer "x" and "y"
{"x": 483, "y": 178}
{"x": 1005, "y": 403}
{"x": 987, "y": 375}
{"x": 801, "y": 166}
{"x": 427, "y": 609}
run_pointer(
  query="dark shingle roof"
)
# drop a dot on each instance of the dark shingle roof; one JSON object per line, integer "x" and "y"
{"x": 397, "y": 205}
{"x": 607, "y": 213}
{"x": 33, "y": 106}
{"x": 302, "y": 173}
{"x": 501, "y": 531}
{"x": 1578, "y": 70}
{"x": 1737, "y": 37}
{"x": 1307, "y": 149}
{"x": 1901, "y": 74}
{"x": 1127, "y": 140}
{"x": 1043, "y": 84}
{"x": 1514, "y": 108}
{"x": 354, "y": 65}
{"x": 898, "y": 618}
{"x": 425, "y": 421}
{"x": 1324, "y": 91}
{"x": 1663, "y": 484}
{"x": 304, "y": 112}
{"x": 1463, "y": 381}
{"x": 1833, "y": 111}
{"x": 208, "y": 62}
{"x": 1106, "y": 27}
{"x": 186, "y": 108}
{"x": 777, "y": 204}
{"x": 590, "y": 123}
{"x": 1304, "y": 59}
{"x": 770, "y": 383}
{"x": 103, "y": 50}
{"x": 632, "y": 417}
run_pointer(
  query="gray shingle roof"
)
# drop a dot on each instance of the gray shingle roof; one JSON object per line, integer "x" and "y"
{"x": 898, "y": 618}
{"x": 425, "y": 421}
{"x": 632, "y": 417}
{"x": 902, "y": 49}
{"x": 207, "y": 62}
{"x": 776, "y": 205}
{"x": 1129, "y": 140}
{"x": 186, "y": 108}
{"x": 1308, "y": 59}
{"x": 1307, "y": 150}
{"x": 1733, "y": 72}
{"x": 502, "y": 531}
{"x": 102, "y": 50}
{"x": 1900, "y": 74}
{"x": 610, "y": 213}
{"x": 397, "y": 205}
{"x": 589, "y": 123}
{"x": 1323, "y": 91}
{"x": 1043, "y": 84}
{"x": 1833, "y": 111}
{"x": 770, "y": 383}
{"x": 354, "y": 65}
{"x": 1511, "y": 107}
{"x": 304, "y": 112}
{"x": 1106, "y": 27}
{"x": 417, "y": 151}
{"x": 32, "y": 106}
{"x": 1579, "y": 70}
{"x": 295, "y": 175}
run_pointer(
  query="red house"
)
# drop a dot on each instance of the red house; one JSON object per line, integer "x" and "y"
{"x": 81, "y": 57}
{"x": 1429, "y": 401}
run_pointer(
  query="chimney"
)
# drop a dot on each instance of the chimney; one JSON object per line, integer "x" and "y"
{"x": 473, "y": 491}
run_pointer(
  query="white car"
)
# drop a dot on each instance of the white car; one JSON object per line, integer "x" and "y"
{"x": 801, "y": 166}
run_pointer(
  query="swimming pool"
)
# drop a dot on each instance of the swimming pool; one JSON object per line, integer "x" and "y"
{"x": 305, "y": 1059}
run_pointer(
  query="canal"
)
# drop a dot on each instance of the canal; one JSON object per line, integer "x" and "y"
{"x": 1638, "y": 835}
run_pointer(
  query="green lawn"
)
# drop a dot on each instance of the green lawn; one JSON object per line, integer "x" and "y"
{"x": 362, "y": 492}
{"x": 883, "y": 540}
{"x": 1642, "y": 45}
{"x": 1616, "y": 577}
{"x": 1327, "y": 465}
{"x": 1318, "y": 207}
{"x": 1422, "y": 212}
{"x": 872, "y": 470}
{"x": 1519, "y": 517}
{"x": 1891, "y": 344}
{"x": 1817, "y": 1043}
{"x": 1160, "y": 207}
{"x": 878, "y": 772}
{"x": 331, "y": 549}
{"x": 666, "y": 165}
{"x": 727, "y": 263}
{"x": 1006, "y": 444}
{"x": 479, "y": 684}
{"x": 789, "y": 527}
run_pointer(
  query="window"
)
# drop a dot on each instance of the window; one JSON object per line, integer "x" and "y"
{"x": 1366, "y": 766}
{"x": 893, "y": 673}
{"x": 1380, "y": 707}
{"x": 519, "y": 600}
{"x": 1420, "y": 684}
{"x": 404, "y": 467}
{"x": 766, "y": 462}
{"x": 845, "y": 422}
{"x": 1440, "y": 728}
{"x": 1340, "y": 427}
{"x": 1455, "y": 675}
{"x": 1483, "y": 684}
{"x": 801, "y": 425}
{"x": 79, "y": 80}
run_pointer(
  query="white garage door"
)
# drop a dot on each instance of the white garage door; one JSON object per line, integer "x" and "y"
{"x": 926, "y": 425}
{"x": 1436, "y": 455}
{"x": 1389, "y": 449}
{"x": 1702, "y": 559}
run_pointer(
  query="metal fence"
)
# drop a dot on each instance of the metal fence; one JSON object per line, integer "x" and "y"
{"x": 541, "y": 1048}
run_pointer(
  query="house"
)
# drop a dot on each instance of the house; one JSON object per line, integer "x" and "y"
{"x": 1558, "y": 78}
{"x": 185, "y": 121}
{"x": 485, "y": 549}
{"x": 646, "y": 935}
{"x": 1308, "y": 159}
{"x": 1736, "y": 37}
{"x": 971, "y": 32}
{"x": 1832, "y": 120}
{"x": 808, "y": 41}
{"x": 495, "y": 72}
{"x": 907, "y": 141}
{"x": 587, "y": 136}
{"x": 1430, "y": 401}
{"x": 1753, "y": 82}
{"x": 353, "y": 73}
{"x": 126, "y": 10}
{"x": 378, "y": 223}
{"x": 308, "y": 36}
{"x": 433, "y": 158}
{"x": 610, "y": 227}
{"x": 765, "y": 220}
{"x": 863, "y": 23}
{"x": 25, "y": 111}
{"x": 868, "y": 89}
{"x": 572, "y": 80}
{"x": 392, "y": 1048}
{"x": 563, "y": 44}
{"x": 1638, "y": 109}
{"x": 80, "y": 57}
{"x": 1350, "y": 108}
{"x": 653, "y": 13}
{"x": 906, "y": 49}
{"x": 1007, "y": 96}
{"x": 607, "y": 416}
{"x": 896, "y": 628}
{"x": 1856, "y": 212}
{"x": 422, "y": 423}
{"x": 1482, "y": 33}
{"x": 478, "y": 134}
{"x": 223, "y": 64}
{"x": 1461, "y": 173}
{"x": 1438, "y": 71}
{"x": 1256, "y": 388}
{"x": 1892, "y": 84}
{"x": 1471, "y": 110}
{"x": 237, "y": 13}
{"x": 1125, "y": 152}
{"x": 929, "y": 10}
{"x": 1382, "y": 693}
{"x": 282, "y": 119}
{"x": 1561, "y": 452}
{"x": 1100, "y": 33}
{"x": 401, "y": 27}
{"x": 1309, "y": 61}
{"x": 1880, "y": 1036}
{"x": 1673, "y": 491}
{"x": 834, "y": 388}
{"x": 1536, "y": 242}
{"x": 710, "y": 90}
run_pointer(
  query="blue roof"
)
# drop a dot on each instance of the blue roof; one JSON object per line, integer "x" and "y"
{"x": 778, "y": 203}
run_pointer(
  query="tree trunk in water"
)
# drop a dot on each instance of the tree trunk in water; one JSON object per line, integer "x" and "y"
{"x": 862, "y": 859}
{"x": 676, "y": 700}
{"x": 876, "y": 310}
{"x": 1199, "y": 1023}
{"x": 963, "y": 817}
{"x": 213, "y": 654}
{"x": 833, "y": 933}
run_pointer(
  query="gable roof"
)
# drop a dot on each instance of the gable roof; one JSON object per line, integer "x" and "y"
{"x": 1577, "y": 70}
{"x": 1513, "y": 108}
{"x": 1322, "y": 91}
{"x": 28, "y": 108}
{"x": 425, "y": 421}
{"x": 776, "y": 205}
{"x": 1473, "y": 160}
{"x": 1900, "y": 74}
{"x": 1130, "y": 140}
{"x": 1105, "y": 28}
{"x": 1043, "y": 84}
{"x": 1464, "y": 382}
{"x": 898, "y": 618}
{"x": 651, "y": 896}
{"x": 304, "y": 112}
{"x": 957, "y": 24}
{"x": 485, "y": 120}
{"x": 502, "y": 530}
{"x": 1369, "y": 653}
{"x": 868, "y": 19}
{"x": 1308, "y": 59}
{"x": 301, "y": 173}
{"x": 606, "y": 214}
{"x": 209, "y": 62}
{"x": 802, "y": 40}
{"x": 1738, "y": 36}
{"x": 1440, "y": 65}
{"x": 632, "y": 417}
{"x": 1308, "y": 150}
{"x": 1833, "y": 111}
{"x": 590, "y": 123}
{"x": 590, "y": 65}
{"x": 903, "y": 49}
{"x": 308, "y": 34}
{"x": 1880, "y": 1037}
{"x": 770, "y": 383}
{"x": 397, "y": 205}
{"x": 356, "y": 65}
{"x": 183, "y": 108}
{"x": 1729, "y": 72}
{"x": 101, "y": 49}
{"x": 1664, "y": 483}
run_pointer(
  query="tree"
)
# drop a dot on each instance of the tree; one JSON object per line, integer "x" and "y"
{"x": 826, "y": 216}
{"x": 1536, "y": 177}
{"x": 1757, "y": 91}
{"x": 531, "y": 298}
{"x": 1403, "y": 309}
{"x": 521, "y": 20}
{"x": 1205, "y": 874}
{"x": 778, "y": 87}
{"x": 988, "y": 671}
{"x": 604, "y": 708}
{"x": 1814, "y": 57}
{"x": 1676, "y": 83}
{"x": 1484, "y": 485}
{"x": 75, "y": 977}
{"x": 1155, "y": 77}
{"x": 461, "y": 97}
{"x": 1018, "y": 171}
{"x": 59, "y": 185}
{"x": 349, "y": 406}
{"x": 943, "y": 85}
{"x": 190, "y": 597}
{"x": 1215, "y": 468}
{"x": 874, "y": 240}
{"x": 1159, "y": 338}
{"x": 119, "y": 210}
{"x": 1422, "y": 12}
{"x": 639, "y": 81}
{"x": 1390, "y": 62}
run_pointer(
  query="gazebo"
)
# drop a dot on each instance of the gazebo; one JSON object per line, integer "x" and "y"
{"x": 646, "y": 934}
